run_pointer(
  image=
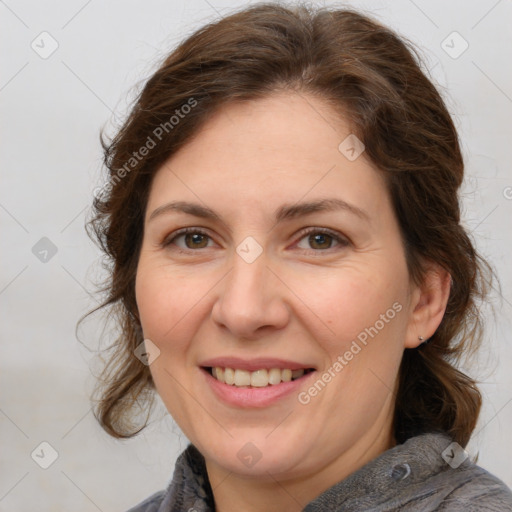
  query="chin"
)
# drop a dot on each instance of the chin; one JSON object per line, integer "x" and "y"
{"x": 257, "y": 455}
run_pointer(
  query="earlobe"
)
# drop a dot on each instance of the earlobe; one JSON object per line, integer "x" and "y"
{"x": 428, "y": 306}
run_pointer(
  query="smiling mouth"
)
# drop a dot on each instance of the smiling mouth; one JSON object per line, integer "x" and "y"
{"x": 257, "y": 379}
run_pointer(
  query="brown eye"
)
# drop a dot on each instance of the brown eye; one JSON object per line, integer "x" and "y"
{"x": 192, "y": 239}
{"x": 195, "y": 240}
{"x": 321, "y": 240}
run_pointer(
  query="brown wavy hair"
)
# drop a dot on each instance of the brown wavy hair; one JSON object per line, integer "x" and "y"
{"x": 371, "y": 77}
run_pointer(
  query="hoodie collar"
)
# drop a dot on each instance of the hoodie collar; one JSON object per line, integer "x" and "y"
{"x": 400, "y": 469}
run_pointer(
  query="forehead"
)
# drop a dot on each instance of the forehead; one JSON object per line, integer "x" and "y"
{"x": 259, "y": 154}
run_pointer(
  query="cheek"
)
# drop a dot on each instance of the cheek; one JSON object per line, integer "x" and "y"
{"x": 169, "y": 303}
{"x": 158, "y": 306}
{"x": 367, "y": 314}
{"x": 347, "y": 301}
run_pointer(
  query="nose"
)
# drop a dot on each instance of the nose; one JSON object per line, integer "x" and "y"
{"x": 251, "y": 300}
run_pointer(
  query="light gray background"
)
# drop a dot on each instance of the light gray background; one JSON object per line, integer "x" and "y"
{"x": 52, "y": 110}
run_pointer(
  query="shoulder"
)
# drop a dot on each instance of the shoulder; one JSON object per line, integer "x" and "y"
{"x": 150, "y": 504}
{"x": 188, "y": 490}
{"x": 430, "y": 472}
{"x": 475, "y": 489}
{"x": 444, "y": 477}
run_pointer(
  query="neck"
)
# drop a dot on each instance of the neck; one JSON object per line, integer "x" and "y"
{"x": 234, "y": 492}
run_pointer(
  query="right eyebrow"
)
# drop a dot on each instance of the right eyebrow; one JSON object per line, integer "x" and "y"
{"x": 183, "y": 206}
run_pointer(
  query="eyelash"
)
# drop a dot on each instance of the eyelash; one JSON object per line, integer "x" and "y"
{"x": 342, "y": 241}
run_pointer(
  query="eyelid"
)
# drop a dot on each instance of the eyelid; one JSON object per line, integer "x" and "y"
{"x": 338, "y": 237}
{"x": 342, "y": 240}
{"x": 183, "y": 231}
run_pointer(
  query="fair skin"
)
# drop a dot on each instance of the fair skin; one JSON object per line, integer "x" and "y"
{"x": 304, "y": 299}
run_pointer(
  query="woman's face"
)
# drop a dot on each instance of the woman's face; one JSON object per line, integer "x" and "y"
{"x": 263, "y": 284}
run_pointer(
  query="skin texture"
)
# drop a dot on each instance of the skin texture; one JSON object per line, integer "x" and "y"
{"x": 301, "y": 299}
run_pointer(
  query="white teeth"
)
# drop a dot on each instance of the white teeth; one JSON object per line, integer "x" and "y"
{"x": 229, "y": 376}
{"x": 274, "y": 376}
{"x": 242, "y": 378}
{"x": 286, "y": 375}
{"x": 258, "y": 379}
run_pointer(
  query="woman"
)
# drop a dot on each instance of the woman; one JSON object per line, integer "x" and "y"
{"x": 290, "y": 273}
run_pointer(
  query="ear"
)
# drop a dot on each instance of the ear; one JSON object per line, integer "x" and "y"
{"x": 428, "y": 305}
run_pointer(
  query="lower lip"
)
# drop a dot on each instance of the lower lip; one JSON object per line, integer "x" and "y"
{"x": 254, "y": 397}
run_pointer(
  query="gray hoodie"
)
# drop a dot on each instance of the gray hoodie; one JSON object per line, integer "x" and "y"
{"x": 424, "y": 474}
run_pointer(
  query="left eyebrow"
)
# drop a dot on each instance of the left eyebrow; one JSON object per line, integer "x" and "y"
{"x": 284, "y": 212}
{"x": 292, "y": 211}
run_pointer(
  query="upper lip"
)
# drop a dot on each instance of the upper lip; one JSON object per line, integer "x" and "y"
{"x": 254, "y": 364}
